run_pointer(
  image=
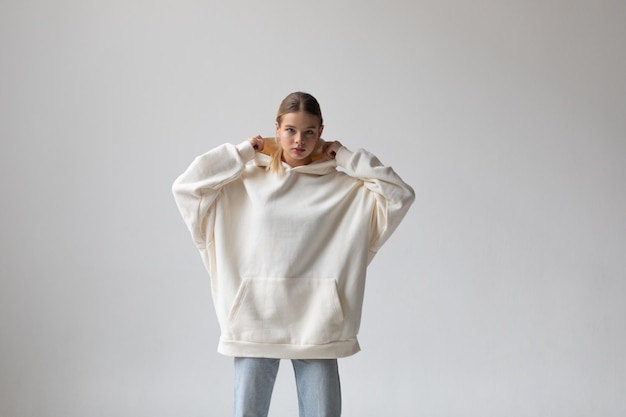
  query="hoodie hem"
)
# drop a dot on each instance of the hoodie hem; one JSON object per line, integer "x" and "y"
{"x": 333, "y": 350}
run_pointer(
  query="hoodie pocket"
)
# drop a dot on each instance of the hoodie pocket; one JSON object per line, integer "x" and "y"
{"x": 286, "y": 310}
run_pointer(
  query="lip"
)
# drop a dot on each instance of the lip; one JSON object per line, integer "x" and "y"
{"x": 298, "y": 150}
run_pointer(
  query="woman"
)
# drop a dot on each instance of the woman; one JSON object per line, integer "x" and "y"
{"x": 286, "y": 238}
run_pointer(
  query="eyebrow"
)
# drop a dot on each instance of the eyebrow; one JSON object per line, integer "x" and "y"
{"x": 310, "y": 127}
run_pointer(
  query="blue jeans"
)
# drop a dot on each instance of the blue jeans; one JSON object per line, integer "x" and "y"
{"x": 317, "y": 383}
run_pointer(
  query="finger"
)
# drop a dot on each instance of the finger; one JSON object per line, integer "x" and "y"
{"x": 257, "y": 142}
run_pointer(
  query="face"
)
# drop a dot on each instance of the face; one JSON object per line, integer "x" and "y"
{"x": 298, "y": 134}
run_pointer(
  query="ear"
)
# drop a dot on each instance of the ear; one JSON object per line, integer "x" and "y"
{"x": 277, "y": 126}
{"x": 321, "y": 130}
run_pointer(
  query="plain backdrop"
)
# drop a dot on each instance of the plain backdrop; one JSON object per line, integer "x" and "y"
{"x": 503, "y": 293}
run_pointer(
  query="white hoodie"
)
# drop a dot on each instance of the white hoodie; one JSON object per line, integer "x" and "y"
{"x": 287, "y": 255}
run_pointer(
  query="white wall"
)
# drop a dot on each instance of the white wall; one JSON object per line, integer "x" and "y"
{"x": 503, "y": 292}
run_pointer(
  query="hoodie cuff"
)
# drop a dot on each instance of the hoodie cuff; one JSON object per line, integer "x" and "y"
{"x": 246, "y": 151}
{"x": 343, "y": 156}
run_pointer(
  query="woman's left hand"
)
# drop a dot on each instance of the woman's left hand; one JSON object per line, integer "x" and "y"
{"x": 331, "y": 148}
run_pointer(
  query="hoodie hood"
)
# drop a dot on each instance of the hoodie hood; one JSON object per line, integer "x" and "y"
{"x": 323, "y": 166}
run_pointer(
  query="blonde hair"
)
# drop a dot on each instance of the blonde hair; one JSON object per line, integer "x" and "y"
{"x": 294, "y": 102}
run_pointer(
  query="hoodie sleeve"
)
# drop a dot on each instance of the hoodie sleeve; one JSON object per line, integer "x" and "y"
{"x": 393, "y": 196}
{"x": 196, "y": 189}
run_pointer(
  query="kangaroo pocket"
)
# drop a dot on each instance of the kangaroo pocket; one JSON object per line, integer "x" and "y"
{"x": 286, "y": 311}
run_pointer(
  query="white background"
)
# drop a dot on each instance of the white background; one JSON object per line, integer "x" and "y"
{"x": 503, "y": 293}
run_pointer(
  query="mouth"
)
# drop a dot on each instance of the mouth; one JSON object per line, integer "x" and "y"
{"x": 298, "y": 150}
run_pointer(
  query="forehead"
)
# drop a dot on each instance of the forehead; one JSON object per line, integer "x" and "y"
{"x": 301, "y": 120}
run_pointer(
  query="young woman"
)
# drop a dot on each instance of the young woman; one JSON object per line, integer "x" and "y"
{"x": 286, "y": 238}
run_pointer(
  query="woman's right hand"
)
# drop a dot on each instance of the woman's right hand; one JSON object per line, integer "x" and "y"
{"x": 257, "y": 142}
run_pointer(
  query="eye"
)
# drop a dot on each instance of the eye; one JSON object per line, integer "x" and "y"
{"x": 290, "y": 129}
{"x": 309, "y": 132}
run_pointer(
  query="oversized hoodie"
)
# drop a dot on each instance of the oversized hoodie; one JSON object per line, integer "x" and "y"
{"x": 287, "y": 254}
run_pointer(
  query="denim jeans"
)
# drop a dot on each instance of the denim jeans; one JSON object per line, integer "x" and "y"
{"x": 317, "y": 383}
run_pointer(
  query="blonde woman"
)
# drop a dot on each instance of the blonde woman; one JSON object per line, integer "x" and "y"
{"x": 286, "y": 238}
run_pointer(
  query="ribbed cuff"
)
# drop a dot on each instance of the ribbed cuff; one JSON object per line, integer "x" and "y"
{"x": 246, "y": 151}
{"x": 343, "y": 156}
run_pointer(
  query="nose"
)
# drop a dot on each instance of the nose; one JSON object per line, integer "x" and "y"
{"x": 299, "y": 138}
